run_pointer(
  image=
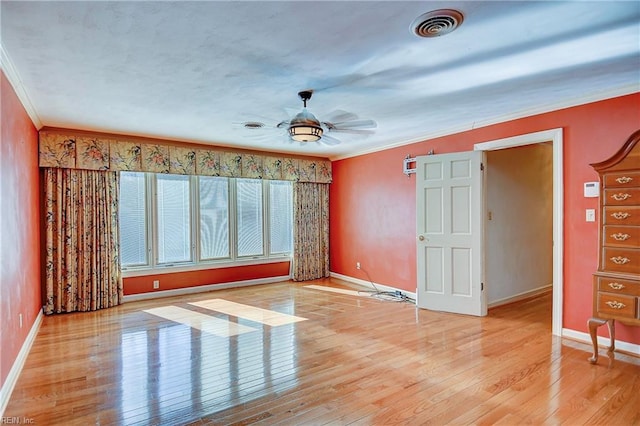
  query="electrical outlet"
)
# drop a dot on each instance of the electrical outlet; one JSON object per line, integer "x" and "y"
{"x": 156, "y": 284}
{"x": 357, "y": 265}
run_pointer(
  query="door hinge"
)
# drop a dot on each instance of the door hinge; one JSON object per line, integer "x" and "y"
{"x": 481, "y": 167}
{"x": 481, "y": 286}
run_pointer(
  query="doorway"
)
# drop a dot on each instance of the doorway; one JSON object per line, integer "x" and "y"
{"x": 554, "y": 138}
{"x": 518, "y": 225}
{"x": 431, "y": 176}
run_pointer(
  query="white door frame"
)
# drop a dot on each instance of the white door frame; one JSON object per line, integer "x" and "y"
{"x": 554, "y": 136}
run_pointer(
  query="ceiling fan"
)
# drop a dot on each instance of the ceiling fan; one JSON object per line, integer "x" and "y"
{"x": 305, "y": 127}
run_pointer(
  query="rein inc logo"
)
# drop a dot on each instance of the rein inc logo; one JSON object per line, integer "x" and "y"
{"x": 16, "y": 420}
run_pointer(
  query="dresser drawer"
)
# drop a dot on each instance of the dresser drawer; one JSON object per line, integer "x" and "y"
{"x": 618, "y": 305}
{"x": 621, "y": 260}
{"x": 615, "y": 286}
{"x": 621, "y": 236}
{"x": 621, "y": 197}
{"x": 620, "y": 215}
{"x": 622, "y": 179}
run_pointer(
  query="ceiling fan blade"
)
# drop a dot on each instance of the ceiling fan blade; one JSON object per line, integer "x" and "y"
{"x": 363, "y": 124}
{"x": 263, "y": 135}
{"x": 258, "y": 126}
{"x": 353, "y": 131}
{"x": 329, "y": 140}
{"x": 283, "y": 124}
{"x": 338, "y": 116}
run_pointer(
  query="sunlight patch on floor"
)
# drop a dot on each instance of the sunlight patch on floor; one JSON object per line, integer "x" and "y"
{"x": 335, "y": 290}
{"x": 200, "y": 321}
{"x": 263, "y": 316}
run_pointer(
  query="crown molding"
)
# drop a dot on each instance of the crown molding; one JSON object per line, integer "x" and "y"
{"x": 6, "y": 64}
{"x": 583, "y": 100}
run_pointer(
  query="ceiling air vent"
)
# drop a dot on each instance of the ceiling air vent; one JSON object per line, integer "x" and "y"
{"x": 436, "y": 23}
{"x": 253, "y": 125}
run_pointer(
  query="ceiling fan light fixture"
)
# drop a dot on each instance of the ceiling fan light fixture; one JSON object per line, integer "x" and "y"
{"x": 305, "y": 127}
{"x": 305, "y": 132}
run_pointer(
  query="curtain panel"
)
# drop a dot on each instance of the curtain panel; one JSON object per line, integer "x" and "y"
{"x": 310, "y": 231}
{"x": 81, "y": 240}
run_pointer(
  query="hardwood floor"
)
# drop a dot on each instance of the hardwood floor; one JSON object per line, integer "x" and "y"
{"x": 347, "y": 359}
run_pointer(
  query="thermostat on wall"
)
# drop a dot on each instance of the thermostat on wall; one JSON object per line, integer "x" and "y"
{"x": 591, "y": 189}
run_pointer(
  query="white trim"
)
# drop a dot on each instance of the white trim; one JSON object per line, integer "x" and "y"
{"x": 202, "y": 288}
{"x": 609, "y": 94}
{"x": 555, "y": 136}
{"x": 521, "y": 296}
{"x": 370, "y": 285}
{"x": 18, "y": 364}
{"x": 630, "y": 348}
{"x": 16, "y": 82}
{"x": 520, "y": 140}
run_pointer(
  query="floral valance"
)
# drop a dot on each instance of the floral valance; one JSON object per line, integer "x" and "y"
{"x": 66, "y": 150}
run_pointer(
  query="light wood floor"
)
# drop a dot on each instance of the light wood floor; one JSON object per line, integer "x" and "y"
{"x": 349, "y": 360}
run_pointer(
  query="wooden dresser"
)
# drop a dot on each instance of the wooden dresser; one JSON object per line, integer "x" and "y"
{"x": 616, "y": 284}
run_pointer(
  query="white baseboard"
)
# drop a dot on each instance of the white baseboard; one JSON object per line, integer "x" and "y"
{"x": 16, "y": 369}
{"x": 202, "y": 288}
{"x": 520, "y": 296}
{"x": 630, "y": 348}
{"x": 368, "y": 284}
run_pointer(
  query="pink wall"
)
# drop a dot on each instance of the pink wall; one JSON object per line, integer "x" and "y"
{"x": 373, "y": 206}
{"x": 176, "y": 280}
{"x": 19, "y": 227}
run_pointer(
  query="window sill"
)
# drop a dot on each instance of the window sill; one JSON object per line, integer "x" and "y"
{"x": 188, "y": 267}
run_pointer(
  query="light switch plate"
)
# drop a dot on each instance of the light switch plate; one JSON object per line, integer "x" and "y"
{"x": 591, "y": 215}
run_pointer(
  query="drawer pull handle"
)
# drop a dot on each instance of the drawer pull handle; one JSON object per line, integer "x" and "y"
{"x": 619, "y": 260}
{"x": 616, "y": 286}
{"x": 621, "y": 196}
{"x": 620, "y": 236}
{"x": 620, "y": 215}
{"x": 616, "y": 305}
{"x": 624, "y": 179}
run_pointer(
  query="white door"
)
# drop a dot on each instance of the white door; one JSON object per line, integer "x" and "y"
{"x": 449, "y": 190}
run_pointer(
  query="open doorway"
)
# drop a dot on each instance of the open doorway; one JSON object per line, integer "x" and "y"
{"x": 553, "y": 137}
{"x": 518, "y": 223}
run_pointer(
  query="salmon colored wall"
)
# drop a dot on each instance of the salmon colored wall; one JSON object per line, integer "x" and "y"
{"x": 144, "y": 284}
{"x": 19, "y": 227}
{"x": 373, "y": 219}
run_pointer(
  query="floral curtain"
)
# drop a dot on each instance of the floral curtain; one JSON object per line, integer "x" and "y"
{"x": 310, "y": 231}
{"x": 64, "y": 149}
{"x": 81, "y": 240}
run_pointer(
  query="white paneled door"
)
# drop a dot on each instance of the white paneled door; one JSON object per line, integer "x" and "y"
{"x": 449, "y": 189}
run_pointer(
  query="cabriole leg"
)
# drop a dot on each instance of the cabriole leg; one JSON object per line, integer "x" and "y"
{"x": 612, "y": 332}
{"x": 593, "y": 324}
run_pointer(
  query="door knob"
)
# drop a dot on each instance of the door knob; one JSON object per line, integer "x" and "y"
{"x": 421, "y": 237}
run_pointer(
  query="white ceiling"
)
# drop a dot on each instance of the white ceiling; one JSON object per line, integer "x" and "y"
{"x": 196, "y": 71}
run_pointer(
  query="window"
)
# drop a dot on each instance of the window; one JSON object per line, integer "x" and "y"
{"x": 249, "y": 217}
{"x": 133, "y": 220}
{"x": 214, "y": 217}
{"x": 280, "y": 216}
{"x": 177, "y": 220}
{"x": 174, "y": 218}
